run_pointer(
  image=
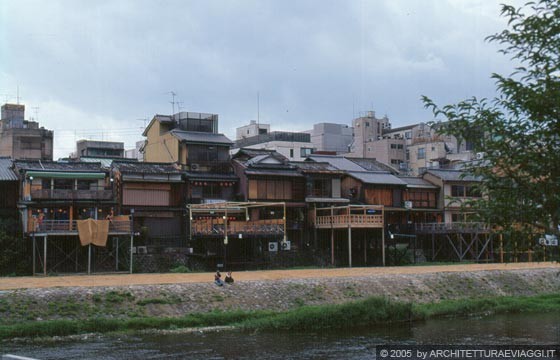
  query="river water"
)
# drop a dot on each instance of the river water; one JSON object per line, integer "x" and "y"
{"x": 360, "y": 343}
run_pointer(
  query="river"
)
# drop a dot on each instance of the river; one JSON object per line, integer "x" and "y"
{"x": 348, "y": 344}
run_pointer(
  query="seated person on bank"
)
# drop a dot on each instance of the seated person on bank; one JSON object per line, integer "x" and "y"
{"x": 218, "y": 279}
{"x": 229, "y": 278}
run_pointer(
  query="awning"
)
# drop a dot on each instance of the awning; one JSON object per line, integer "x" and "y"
{"x": 65, "y": 175}
{"x": 326, "y": 200}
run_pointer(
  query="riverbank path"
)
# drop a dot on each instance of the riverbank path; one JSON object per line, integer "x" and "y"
{"x": 26, "y": 282}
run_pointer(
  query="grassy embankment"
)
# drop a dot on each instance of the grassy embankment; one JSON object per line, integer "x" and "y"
{"x": 361, "y": 313}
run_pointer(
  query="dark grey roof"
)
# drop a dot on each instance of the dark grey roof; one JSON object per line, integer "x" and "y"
{"x": 6, "y": 173}
{"x": 339, "y": 162}
{"x": 416, "y": 182}
{"x": 316, "y": 167}
{"x": 210, "y": 176}
{"x": 245, "y": 154}
{"x": 380, "y": 178}
{"x": 454, "y": 175}
{"x": 402, "y": 128}
{"x": 373, "y": 165}
{"x": 59, "y": 166}
{"x": 146, "y": 167}
{"x": 201, "y": 137}
{"x": 164, "y": 118}
{"x": 272, "y": 172}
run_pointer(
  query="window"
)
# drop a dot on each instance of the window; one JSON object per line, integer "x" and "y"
{"x": 305, "y": 152}
{"x": 247, "y": 131}
{"x": 421, "y": 153}
{"x": 64, "y": 184}
{"x": 422, "y": 199}
{"x": 45, "y": 184}
{"x": 87, "y": 185}
{"x": 396, "y": 161}
{"x": 457, "y": 190}
{"x": 320, "y": 188}
{"x": 433, "y": 148}
{"x": 270, "y": 189}
{"x": 408, "y": 135}
{"x": 397, "y": 146}
{"x": 407, "y": 155}
{"x": 291, "y": 153}
{"x": 367, "y": 123}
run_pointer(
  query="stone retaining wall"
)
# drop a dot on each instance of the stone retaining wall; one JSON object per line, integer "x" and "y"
{"x": 181, "y": 299}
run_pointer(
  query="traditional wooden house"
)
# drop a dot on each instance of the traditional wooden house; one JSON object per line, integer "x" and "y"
{"x": 54, "y": 197}
{"x": 267, "y": 176}
{"x": 8, "y": 188}
{"x": 154, "y": 193}
{"x": 192, "y": 141}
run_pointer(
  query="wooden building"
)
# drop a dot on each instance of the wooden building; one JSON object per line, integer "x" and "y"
{"x": 154, "y": 192}
{"x": 54, "y": 197}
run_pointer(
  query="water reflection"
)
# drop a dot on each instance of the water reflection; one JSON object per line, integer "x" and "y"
{"x": 347, "y": 344}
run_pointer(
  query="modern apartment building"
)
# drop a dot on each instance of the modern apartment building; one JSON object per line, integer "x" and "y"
{"x": 23, "y": 139}
{"x": 295, "y": 146}
{"x": 332, "y": 138}
{"x": 99, "y": 149}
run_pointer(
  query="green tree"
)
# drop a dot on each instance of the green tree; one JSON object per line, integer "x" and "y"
{"x": 519, "y": 129}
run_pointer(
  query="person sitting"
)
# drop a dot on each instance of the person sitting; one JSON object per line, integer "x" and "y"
{"x": 229, "y": 278}
{"x": 218, "y": 279}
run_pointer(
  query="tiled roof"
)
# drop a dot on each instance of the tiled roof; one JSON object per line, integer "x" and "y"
{"x": 210, "y": 176}
{"x": 381, "y": 178}
{"x": 272, "y": 172}
{"x": 416, "y": 182}
{"x": 6, "y": 173}
{"x": 373, "y": 165}
{"x": 145, "y": 167}
{"x": 339, "y": 162}
{"x": 200, "y": 137}
{"x": 453, "y": 175}
{"x": 59, "y": 166}
{"x": 316, "y": 167}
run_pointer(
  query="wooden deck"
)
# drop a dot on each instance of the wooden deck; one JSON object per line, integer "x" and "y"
{"x": 256, "y": 227}
{"x": 446, "y": 228}
{"x": 345, "y": 221}
{"x": 70, "y": 228}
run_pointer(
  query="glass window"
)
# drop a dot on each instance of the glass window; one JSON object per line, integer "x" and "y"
{"x": 421, "y": 153}
{"x": 291, "y": 153}
{"x": 64, "y": 184}
{"x": 304, "y": 152}
{"x": 457, "y": 190}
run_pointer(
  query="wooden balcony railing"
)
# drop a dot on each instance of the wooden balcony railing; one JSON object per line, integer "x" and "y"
{"x": 66, "y": 194}
{"x": 70, "y": 226}
{"x": 456, "y": 227}
{"x": 353, "y": 220}
{"x": 258, "y": 227}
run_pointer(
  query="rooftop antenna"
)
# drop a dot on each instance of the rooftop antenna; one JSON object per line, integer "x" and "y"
{"x": 173, "y": 94}
{"x": 144, "y": 120}
{"x": 258, "y": 110}
{"x": 36, "y": 110}
{"x": 179, "y": 106}
{"x": 18, "y": 94}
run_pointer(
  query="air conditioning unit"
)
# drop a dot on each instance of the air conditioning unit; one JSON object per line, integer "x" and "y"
{"x": 194, "y": 167}
{"x": 273, "y": 246}
{"x": 286, "y": 245}
{"x": 403, "y": 166}
{"x": 479, "y": 155}
{"x": 142, "y": 250}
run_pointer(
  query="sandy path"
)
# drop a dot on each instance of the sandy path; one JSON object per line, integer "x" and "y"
{"x": 141, "y": 279}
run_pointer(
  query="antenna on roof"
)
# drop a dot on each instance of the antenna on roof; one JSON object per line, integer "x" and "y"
{"x": 36, "y": 110}
{"x": 173, "y": 94}
{"x": 258, "y": 111}
{"x": 144, "y": 120}
{"x": 18, "y": 94}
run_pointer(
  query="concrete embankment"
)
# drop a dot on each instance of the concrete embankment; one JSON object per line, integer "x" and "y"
{"x": 169, "y": 300}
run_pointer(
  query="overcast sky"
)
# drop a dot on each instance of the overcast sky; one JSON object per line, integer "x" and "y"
{"x": 94, "y": 68}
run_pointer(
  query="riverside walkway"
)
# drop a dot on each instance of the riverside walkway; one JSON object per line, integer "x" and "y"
{"x": 28, "y": 282}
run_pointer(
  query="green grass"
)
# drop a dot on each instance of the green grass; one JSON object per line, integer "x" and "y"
{"x": 370, "y": 311}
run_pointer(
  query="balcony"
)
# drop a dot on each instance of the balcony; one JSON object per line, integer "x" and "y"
{"x": 344, "y": 221}
{"x": 456, "y": 227}
{"x": 350, "y": 216}
{"x": 70, "y": 227}
{"x": 66, "y": 194}
{"x": 257, "y": 227}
